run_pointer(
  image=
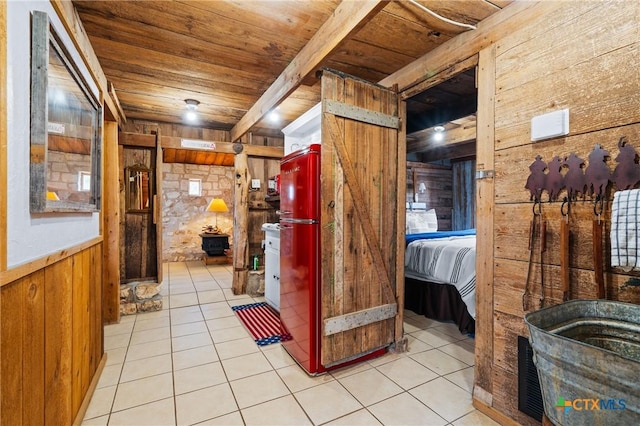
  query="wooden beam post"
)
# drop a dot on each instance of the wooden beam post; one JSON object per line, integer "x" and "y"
{"x": 401, "y": 199}
{"x": 346, "y": 20}
{"x": 111, "y": 225}
{"x": 485, "y": 203}
{"x": 241, "y": 221}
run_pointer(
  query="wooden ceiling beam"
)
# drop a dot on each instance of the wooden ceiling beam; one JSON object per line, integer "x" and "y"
{"x": 459, "y": 48}
{"x": 461, "y": 151}
{"x": 423, "y": 140}
{"x": 348, "y": 17}
{"x": 227, "y": 148}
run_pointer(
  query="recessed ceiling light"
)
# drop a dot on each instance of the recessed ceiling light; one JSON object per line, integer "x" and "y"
{"x": 438, "y": 129}
{"x": 192, "y": 104}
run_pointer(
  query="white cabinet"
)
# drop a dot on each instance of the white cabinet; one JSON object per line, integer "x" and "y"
{"x": 304, "y": 131}
{"x": 272, "y": 264}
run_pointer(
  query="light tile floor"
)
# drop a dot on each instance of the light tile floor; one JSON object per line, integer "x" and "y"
{"x": 194, "y": 363}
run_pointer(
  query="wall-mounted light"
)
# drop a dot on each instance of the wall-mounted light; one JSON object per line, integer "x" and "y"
{"x": 438, "y": 134}
{"x": 422, "y": 188}
{"x": 192, "y": 106}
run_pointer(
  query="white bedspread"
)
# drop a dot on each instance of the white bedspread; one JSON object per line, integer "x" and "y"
{"x": 449, "y": 260}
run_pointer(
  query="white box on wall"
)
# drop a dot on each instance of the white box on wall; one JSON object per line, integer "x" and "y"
{"x": 550, "y": 125}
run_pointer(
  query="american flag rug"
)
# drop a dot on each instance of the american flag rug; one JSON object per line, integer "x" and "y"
{"x": 263, "y": 323}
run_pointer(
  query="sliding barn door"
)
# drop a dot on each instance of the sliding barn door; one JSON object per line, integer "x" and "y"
{"x": 359, "y": 216}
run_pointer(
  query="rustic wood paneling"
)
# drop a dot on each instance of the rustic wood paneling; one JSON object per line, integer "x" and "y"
{"x": 598, "y": 86}
{"x": 438, "y": 195}
{"x": 12, "y": 336}
{"x": 96, "y": 297}
{"x": 33, "y": 297}
{"x": 161, "y": 53}
{"x": 59, "y": 340}
{"x": 512, "y": 164}
{"x": 51, "y": 340}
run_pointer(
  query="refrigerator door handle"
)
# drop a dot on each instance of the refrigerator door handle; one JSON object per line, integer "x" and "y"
{"x": 283, "y": 212}
{"x": 299, "y": 221}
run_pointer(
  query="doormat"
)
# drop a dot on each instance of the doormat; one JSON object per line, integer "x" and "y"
{"x": 263, "y": 322}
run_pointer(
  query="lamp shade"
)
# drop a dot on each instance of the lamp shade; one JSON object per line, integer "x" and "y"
{"x": 217, "y": 205}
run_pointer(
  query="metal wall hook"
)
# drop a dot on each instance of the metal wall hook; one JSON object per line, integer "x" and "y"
{"x": 565, "y": 209}
{"x": 537, "y": 207}
{"x": 598, "y": 206}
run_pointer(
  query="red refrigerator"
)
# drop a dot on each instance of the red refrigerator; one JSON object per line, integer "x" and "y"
{"x": 300, "y": 256}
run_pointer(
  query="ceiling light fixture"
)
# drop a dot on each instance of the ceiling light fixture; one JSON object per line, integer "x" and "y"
{"x": 438, "y": 134}
{"x": 192, "y": 106}
{"x": 274, "y": 116}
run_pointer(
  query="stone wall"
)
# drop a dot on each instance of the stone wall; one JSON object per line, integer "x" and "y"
{"x": 63, "y": 174}
{"x": 183, "y": 215}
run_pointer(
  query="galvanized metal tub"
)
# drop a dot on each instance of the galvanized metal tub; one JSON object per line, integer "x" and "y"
{"x": 587, "y": 353}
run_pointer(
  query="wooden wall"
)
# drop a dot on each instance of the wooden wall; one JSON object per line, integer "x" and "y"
{"x": 583, "y": 56}
{"x": 450, "y": 190}
{"x": 51, "y": 340}
{"x": 438, "y": 195}
{"x": 261, "y": 211}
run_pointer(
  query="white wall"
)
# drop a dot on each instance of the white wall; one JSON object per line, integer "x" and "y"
{"x": 33, "y": 236}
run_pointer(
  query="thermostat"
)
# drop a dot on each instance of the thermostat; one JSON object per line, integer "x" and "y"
{"x": 550, "y": 125}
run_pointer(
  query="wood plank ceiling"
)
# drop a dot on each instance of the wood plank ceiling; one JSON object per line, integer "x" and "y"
{"x": 226, "y": 54}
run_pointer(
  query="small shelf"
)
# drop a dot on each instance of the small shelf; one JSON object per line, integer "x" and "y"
{"x": 272, "y": 198}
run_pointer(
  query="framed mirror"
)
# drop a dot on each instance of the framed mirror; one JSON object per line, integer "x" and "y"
{"x": 66, "y": 128}
{"x": 138, "y": 189}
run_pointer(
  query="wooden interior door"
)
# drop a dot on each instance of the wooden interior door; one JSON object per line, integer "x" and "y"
{"x": 138, "y": 232}
{"x": 360, "y": 164}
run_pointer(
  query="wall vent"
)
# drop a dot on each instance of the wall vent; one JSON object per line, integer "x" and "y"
{"x": 529, "y": 394}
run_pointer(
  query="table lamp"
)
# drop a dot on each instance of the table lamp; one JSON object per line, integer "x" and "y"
{"x": 217, "y": 205}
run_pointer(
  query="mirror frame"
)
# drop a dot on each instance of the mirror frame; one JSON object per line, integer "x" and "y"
{"x": 44, "y": 38}
{"x": 138, "y": 168}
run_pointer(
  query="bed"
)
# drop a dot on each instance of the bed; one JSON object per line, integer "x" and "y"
{"x": 440, "y": 280}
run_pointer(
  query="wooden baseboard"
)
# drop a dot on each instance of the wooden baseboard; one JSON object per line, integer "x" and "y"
{"x": 216, "y": 260}
{"x": 92, "y": 387}
{"x": 493, "y": 413}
